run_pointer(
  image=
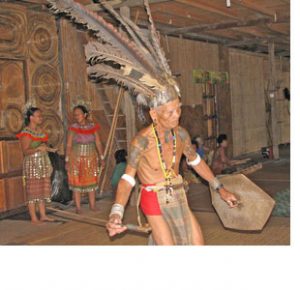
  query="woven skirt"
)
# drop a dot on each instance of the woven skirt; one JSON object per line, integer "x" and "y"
{"x": 84, "y": 170}
{"x": 175, "y": 210}
{"x": 37, "y": 170}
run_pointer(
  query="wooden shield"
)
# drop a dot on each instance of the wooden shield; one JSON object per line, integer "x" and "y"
{"x": 254, "y": 210}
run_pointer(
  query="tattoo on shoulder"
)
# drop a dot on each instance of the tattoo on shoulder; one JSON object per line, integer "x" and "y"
{"x": 142, "y": 142}
{"x": 138, "y": 145}
{"x": 189, "y": 151}
{"x": 183, "y": 134}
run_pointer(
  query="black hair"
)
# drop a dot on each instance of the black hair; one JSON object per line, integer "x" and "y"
{"x": 221, "y": 138}
{"x": 286, "y": 93}
{"x": 120, "y": 155}
{"x": 194, "y": 142}
{"x": 30, "y": 111}
{"x": 83, "y": 109}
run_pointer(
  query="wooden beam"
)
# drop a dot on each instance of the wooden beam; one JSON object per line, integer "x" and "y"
{"x": 260, "y": 41}
{"x": 255, "y": 7}
{"x": 118, "y": 3}
{"x": 207, "y": 6}
{"x": 226, "y": 25}
{"x": 195, "y": 36}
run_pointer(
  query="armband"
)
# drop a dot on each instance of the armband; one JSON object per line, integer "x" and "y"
{"x": 194, "y": 162}
{"x": 129, "y": 179}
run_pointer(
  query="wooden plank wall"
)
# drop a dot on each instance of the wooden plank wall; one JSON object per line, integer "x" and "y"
{"x": 247, "y": 102}
{"x": 248, "y": 76}
{"x": 186, "y": 55}
{"x": 282, "y": 105}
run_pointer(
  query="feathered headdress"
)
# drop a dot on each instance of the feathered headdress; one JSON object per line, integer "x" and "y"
{"x": 133, "y": 60}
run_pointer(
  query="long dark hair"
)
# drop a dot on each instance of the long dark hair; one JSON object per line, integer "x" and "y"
{"x": 30, "y": 111}
{"x": 221, "y": 138}
{"x": 83, "y": 109}
{"x": 120, "y": 155}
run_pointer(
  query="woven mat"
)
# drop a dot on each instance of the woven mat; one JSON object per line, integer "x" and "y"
{"x": 282, "y": 199}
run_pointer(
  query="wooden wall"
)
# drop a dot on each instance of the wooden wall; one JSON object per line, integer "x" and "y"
{"x": 247, "y": 102}
{"x": 29, "y": 70}
{"x": 282, "y": 105}
{"x": 241, "y": 107}
{"x": 186, "y": 55}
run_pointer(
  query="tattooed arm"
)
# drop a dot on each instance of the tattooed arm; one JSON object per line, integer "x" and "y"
{"x": 138, "y": 145}
{"x": 202, "y": 168}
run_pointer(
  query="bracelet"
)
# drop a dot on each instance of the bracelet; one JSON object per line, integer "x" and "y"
{"x": 216, "y": 184}
{"x": 117, "y": 209}
{"x": 129, "y": 179}
{"x": 66, "y": 158}
{"x": 102, "y": 157}
{"x": 194, "y": 162}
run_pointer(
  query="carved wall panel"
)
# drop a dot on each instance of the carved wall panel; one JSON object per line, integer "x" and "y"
{"x": 2, "y": 196}
{"x": 11, "y": 156}
{"x": 14, "y": 191}
{"x": 43, "y": 43}
{"x": 12, "y": 96}
{"x": 53, "y": 125}
{"x": 46, "y": 87}
{"x": 13, "y": 30}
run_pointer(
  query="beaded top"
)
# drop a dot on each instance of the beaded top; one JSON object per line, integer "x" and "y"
{"x": 33, "y": 135}
{"x": 36, "y": 137}
{"x": 84, "y": 134}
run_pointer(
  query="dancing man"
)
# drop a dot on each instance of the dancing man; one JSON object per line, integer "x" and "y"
{"x": 155, "y": 156}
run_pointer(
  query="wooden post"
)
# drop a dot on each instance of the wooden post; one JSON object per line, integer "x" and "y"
{"x": 129, "y": 112}
{"x": 272, "y": 94}
{"x": 224, "y": 101}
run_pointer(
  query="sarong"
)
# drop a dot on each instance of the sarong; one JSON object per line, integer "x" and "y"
{"x": 37, "y": 170}
{"x": 83, "y": 172}
{"x": 174, "y": 209}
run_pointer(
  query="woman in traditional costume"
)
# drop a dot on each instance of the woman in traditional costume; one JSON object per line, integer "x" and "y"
{"x": 84, "y": 156}
{"x": 37, "y": 167}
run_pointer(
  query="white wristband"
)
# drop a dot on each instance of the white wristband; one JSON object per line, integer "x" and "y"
{"x": 194, "y": 162}
{"x": 117, "y": 209}
{"x": 129, "y": 179}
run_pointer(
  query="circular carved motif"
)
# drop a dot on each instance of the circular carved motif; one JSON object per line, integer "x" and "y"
{"x": 53, "y": 126}
{"x": 46, "y": 84}
{"x": 43, "y": 44}
{"x": 13, "y": 30}
{"x": 13, "y": 119}
{"x": 42, "y": 40}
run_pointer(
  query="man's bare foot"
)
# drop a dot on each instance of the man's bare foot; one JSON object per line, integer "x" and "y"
{"x": 78, "y": 211}
{"x": 47, "y": 219}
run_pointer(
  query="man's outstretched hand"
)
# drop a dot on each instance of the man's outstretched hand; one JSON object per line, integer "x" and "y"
{"x": 114, "y": 225}
{"x": 229, "y": 197}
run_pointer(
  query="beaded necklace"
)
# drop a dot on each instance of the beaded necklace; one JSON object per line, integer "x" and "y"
{"x": 168, "y": 173}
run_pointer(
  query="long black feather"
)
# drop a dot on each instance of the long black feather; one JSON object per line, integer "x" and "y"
{"x": 102, "y": 29}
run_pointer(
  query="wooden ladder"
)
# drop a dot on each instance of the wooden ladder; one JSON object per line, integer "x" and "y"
{"x": 113, "y": 118}
{"x": 120, "y": 137}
